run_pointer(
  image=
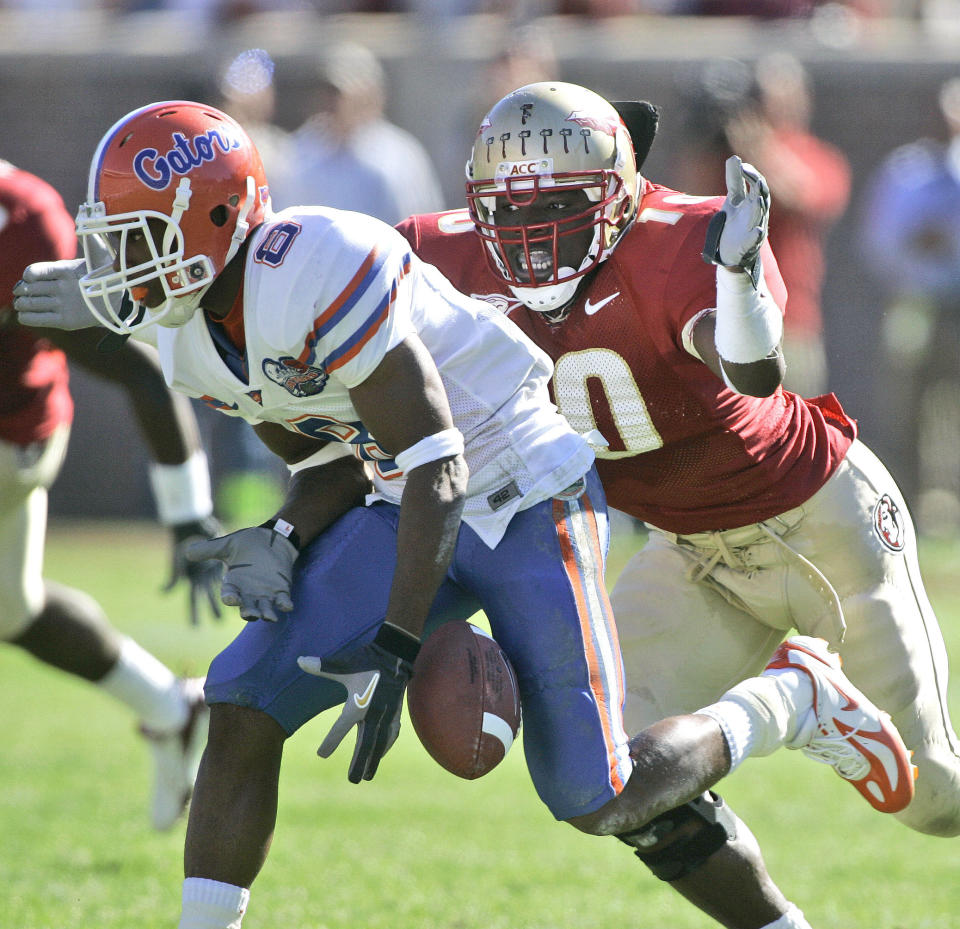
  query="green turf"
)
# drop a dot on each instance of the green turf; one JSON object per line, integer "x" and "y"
{"x": 415, "y": 849}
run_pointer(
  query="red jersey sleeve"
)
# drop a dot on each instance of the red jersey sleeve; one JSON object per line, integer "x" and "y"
{"x": 34, "y": 391}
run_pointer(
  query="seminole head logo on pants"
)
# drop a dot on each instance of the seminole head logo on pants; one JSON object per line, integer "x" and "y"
{"x": 888, "y": 524}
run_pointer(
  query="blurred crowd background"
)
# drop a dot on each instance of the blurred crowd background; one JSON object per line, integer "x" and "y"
{"x": 228, "y": 11}
{"x": 851, "y": 110}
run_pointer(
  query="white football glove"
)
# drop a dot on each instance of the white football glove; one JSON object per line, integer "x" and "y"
{"x": 259, "y": 571}
{"x": 739, "y": 228}
{"x": 48, "y": 296}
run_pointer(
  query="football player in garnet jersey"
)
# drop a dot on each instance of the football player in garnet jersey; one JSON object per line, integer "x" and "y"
{"x": 59, "y": 625}
{"x": 766, "y": 512}
{"x": 345, "y": 350}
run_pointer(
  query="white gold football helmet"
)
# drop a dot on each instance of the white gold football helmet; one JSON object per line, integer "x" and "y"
{"x": 551, "y": 136}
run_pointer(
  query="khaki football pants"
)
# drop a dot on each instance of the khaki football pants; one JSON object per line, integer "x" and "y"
{"x": 697, "y": 613}
{"x": 25, "y": 474}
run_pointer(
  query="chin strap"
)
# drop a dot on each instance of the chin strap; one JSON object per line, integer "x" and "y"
{"x": 242, "y": 228}
{"x": 114, "y": 341}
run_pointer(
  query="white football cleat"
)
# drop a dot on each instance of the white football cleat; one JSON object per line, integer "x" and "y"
{"x": 849, "y": 732}
{"x": 176, "y": 758}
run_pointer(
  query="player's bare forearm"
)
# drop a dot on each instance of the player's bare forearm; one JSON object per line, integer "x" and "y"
{"x": 430, "y": 515}
{"x": 165, "y": 419}
{"x": 317, "y": 497}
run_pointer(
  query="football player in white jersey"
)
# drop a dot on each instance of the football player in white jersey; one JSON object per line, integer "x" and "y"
{"x": 348, "y": 353}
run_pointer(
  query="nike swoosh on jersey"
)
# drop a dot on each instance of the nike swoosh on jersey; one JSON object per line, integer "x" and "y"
{"x": 591, "y": 308}
{"x": 361, "y": 700}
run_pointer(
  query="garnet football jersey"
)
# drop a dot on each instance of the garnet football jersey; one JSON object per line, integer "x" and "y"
{"x": 34, "y": 226}
{"x": 680, "y": 450}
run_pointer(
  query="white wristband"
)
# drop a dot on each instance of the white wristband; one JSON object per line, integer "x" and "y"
{"x": 432, "y": 448}
{"x": 182, "y": 492}
{"x": 749, "y": 323}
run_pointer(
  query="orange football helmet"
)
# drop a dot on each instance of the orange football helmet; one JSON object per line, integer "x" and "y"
{"x": 194, "y": 172}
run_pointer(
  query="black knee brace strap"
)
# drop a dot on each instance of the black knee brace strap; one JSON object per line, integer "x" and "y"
{"x": 679, "y": 841}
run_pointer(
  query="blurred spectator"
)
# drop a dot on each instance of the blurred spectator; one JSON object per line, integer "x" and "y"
{"x": 598, "y": 9}
{"x": 910, "y": 235}
{"x": 207, "y": 13}
{"x": 348, "y": 155}
{"x": 784, "y": 9}
{"x": 246, "y": 90}
{"x": 763, "y": 114}
{"x": 526, "y": 55}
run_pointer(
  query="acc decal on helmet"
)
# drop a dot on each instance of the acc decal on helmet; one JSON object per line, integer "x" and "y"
{"x": 191, "y": 172}
{"x": 551, "y": 136}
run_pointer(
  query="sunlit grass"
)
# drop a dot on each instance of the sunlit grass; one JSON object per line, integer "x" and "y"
{"x": 414, "y": 849}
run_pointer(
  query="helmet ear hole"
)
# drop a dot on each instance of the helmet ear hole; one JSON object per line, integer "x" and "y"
{"x": 219, "y": 215}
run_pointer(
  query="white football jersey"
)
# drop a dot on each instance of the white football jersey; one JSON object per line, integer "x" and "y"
{"x": 326, "y": 294}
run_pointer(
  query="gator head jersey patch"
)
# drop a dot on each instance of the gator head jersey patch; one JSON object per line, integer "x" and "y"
{"x": 295, "y": 377}
{"x": 888, "y": 524}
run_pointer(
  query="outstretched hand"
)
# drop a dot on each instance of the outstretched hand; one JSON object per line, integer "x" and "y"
{"x": 738, "y": 230}
{"x": 48, "y": 296}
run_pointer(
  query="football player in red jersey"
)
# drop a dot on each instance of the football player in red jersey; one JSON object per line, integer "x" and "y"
{"x": 61, "y": 626}
{"x": 663, "y": 315}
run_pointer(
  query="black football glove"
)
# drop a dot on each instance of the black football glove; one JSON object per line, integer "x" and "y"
{"x": 204, "y": 577}
{"x": 376, "y": 677}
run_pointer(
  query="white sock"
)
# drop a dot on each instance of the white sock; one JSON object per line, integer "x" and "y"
{"x": 792, "y": 919}
{"x": 761, "y": 714}
{"x": 738, "y": 727}
{"x": 797, "y": 689}
{"x": 148, "y": 687}
{"x": 212, "y": 904}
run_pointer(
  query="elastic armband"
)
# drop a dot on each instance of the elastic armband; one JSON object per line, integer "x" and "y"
{"x": 281, "y": 527}
{"x": 182, "y": 491}
{"x": 432, "y": 448}
{"x": 749, "y": 323}
{"x": 331, "y": 451}
{"x": 398, "y": 641}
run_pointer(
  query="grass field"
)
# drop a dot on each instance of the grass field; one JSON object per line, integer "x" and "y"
{"x": 416, "y": 848}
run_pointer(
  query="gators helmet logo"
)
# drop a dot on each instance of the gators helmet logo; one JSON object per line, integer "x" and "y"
{"x": 297, "y": 378}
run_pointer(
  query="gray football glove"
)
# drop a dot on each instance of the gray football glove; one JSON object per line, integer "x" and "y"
{"x": 48, "y": 296}
{"x": 205, "y": 576}
{"x": 375, "y": 676}
{"x": 739, "y": 228}
{"x": 259, "y": 570}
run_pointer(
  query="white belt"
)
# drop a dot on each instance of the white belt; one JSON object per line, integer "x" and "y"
{"x": 724, "y": 545}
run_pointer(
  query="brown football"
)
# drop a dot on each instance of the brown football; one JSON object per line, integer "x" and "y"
{"x": 463, "y": 700}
